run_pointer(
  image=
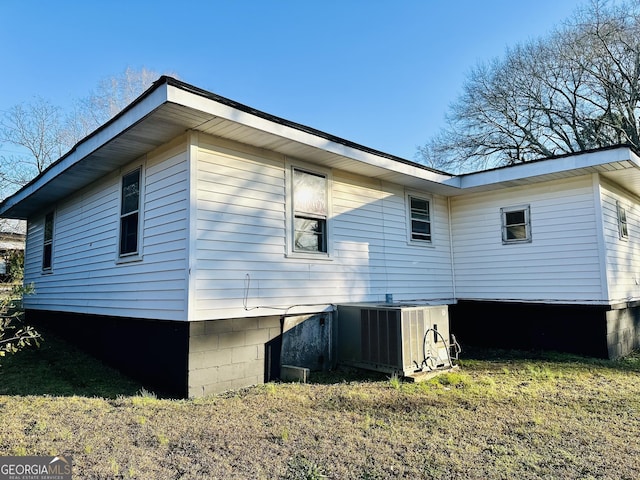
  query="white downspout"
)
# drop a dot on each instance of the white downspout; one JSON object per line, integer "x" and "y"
{"x": 451, "y": 256}
{"x": 602, "y": 241}
{"x": 192, "y": 214}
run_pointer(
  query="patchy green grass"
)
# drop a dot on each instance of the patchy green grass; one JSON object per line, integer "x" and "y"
{"x": 59, "y": 369}
{"x": 503, "y": 415}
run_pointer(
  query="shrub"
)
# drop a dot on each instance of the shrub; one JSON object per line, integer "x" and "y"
{"x": 14, "y": 261}
{"x": 14, "y": 334}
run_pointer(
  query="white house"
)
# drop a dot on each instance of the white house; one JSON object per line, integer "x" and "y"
{"x": 183, "y": 238}
{"x": 570, "y": 277}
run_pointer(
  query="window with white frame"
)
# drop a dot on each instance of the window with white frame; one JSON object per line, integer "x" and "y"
{"x": 623, "y": 229}
{"x": 130, "y": 213}
{"x": 309, "y": 197}
{"x": 47, "y": 247}
{"x": 419, "y": 211}
{"x": 516, "y": 224}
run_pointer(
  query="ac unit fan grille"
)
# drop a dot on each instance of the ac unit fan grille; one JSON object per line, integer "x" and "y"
{"x": 379, "y": 330}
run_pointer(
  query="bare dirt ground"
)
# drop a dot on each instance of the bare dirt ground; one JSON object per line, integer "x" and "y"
{"x": 497, "y": 418}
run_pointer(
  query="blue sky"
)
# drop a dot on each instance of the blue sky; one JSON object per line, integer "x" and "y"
{"x": 379, "y": 73}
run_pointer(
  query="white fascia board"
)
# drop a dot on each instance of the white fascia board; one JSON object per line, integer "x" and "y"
{"x": 91, "y": 143}
{"x": 545, "y": 167}
{"x": 633, "y": 158}
{"x": 210, "y": 106}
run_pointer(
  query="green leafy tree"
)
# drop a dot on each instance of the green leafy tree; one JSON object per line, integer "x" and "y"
{"x": 14, "y": 261}
{"x": 14, "y": 334}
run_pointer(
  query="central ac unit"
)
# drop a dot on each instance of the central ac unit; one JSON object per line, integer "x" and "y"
{"x": 392, "y": 338}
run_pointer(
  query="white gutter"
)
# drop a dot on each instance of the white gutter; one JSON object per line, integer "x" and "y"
{"x": 188, "y": 99}
{"x": 549, "y": 166}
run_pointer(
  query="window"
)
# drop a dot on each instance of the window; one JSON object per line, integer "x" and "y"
{"x": 47, "y": 250}
{"x": 309, "y": 199}
{"x": 516, "y": 224}
{"x": 623, "y": 230}
{"x": 420, "y": 218}
{"x": 130, "y": 213}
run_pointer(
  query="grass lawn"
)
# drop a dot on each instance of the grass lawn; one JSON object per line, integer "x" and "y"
{"x": 504, "y": 415}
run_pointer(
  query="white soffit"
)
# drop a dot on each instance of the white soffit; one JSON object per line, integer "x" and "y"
{"x": 170, "y": 108}
{"x": 303, "y": 143}
{"x": 97, "y": 155}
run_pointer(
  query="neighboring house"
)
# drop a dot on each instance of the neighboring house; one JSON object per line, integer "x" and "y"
{"x": 12, "y": 239}
{"x": 187, "y": 237}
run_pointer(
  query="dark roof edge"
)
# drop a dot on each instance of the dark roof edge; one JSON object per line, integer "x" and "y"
{"x": 165, "y": 79}
{"x": 298, "y": 126}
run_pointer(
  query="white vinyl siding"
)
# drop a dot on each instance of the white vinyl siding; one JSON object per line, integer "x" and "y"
{"x": 562, "y": 263}
{"x": 622, "y": 259}
{"x": 241, "y": 251}
{"x": 87, "y": 277}
{"x": 371, "y": 224}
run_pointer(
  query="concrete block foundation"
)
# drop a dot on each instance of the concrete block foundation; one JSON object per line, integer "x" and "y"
{"x": 193, "y": 359}
{"x": 228, "y": 354}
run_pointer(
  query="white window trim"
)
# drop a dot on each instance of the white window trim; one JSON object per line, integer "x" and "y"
{"x": 407, "y": 200}
{"x": 138, "y": 255}
{"x": 527, "y": 223}
{"x": 290, "y": 252}
{"x": 623, "y": 227}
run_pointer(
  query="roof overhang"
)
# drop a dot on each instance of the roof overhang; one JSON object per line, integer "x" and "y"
{"x": 619, "y": 164}
{"x": 168, "y": 109}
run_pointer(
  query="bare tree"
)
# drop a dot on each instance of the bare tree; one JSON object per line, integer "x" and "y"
{"x": 36, "y": 129}
{"x": 42, "y": 132}
{"x": 576, "y": 89}
{"x": 109, "y": 98}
